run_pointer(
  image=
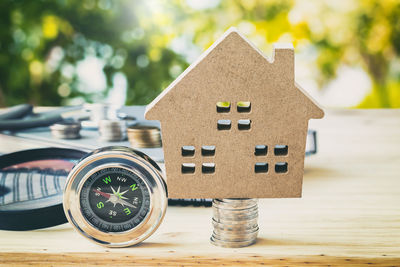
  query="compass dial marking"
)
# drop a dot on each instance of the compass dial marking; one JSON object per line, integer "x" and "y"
{"x": 115, "y": 199}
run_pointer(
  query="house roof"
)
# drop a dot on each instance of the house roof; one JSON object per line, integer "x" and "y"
{"x": 285, "y": 50}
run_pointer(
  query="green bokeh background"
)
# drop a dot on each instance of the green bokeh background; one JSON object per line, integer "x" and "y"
{"x": 43, "y": 41}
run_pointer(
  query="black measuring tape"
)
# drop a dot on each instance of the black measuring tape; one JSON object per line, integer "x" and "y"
{"x": 31, "y": 197}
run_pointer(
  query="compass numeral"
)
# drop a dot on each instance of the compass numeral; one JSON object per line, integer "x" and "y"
{"x": 107, "y": 180}
{"x": 112, "y": 213}
{"x": 97, "y": 193}
{"x": 134, "y": 187}
{"x": 127, "y": 211}
{"x": 100, "y": 205}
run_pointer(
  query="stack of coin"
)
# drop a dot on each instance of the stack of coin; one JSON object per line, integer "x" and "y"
{"x": 66, "y": 130}
{"x": 112, "y": 130}
{"x": 142, "y": 136}
{"x": 235, "y": 222}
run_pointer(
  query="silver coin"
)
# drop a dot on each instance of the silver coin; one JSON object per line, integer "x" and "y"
{"x": 66, "y": 130}
{"x": 234, "y": 227}
{"x": 234, "y": 217}
{"x": 227, "y": 240}
{"x": 223, "y": 221}
{"x": 234, "y": 220}
{"x": 235, "y": 210}
{"x": 242, "y": 226}
{"x": 234, "y": 237}
{"x": 236, "y": 232}
{"x": 234, "y": 205}
{"x": 112, "y": 130}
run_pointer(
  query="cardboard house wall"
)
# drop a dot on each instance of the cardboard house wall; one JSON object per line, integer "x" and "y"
{"x": 235, "y": 152}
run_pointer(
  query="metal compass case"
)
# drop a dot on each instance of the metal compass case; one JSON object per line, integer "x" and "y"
{"x": 115, "y": 196}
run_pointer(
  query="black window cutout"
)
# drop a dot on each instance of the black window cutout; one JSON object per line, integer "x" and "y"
{"x": 224, "y": 124}
{"x": 261, "y": 167}
{"x": 261, "y": 150}
{"x": 188, "y": 168}
{"x": 208, "y": 151}
{"x": 223, "y": 107}
{"x": 281, "y": 167}
{"x": 188, "y": 151}
{"x": 208, "y": 168}
{"x": 281, "y": 150}
{"x": 243, "y": 107}
{"x": 244, "y": 125}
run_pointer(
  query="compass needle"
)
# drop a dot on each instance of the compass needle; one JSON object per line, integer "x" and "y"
{"x": 112, "y": 190}
{"x": 121, "y": 194}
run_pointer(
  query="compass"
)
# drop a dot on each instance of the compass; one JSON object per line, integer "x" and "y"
{"x": 115, "y": 196}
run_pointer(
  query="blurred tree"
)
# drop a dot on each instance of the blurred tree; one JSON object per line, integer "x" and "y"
{"x": 366, "y": 34}
{"x": 45, "y": 43}
{"x": 356, "y": 33}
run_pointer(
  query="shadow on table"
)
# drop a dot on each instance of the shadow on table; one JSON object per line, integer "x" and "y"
{"x": 145, "y": 244}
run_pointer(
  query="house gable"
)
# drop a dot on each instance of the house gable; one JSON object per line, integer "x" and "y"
{"x": 229, "y": 49}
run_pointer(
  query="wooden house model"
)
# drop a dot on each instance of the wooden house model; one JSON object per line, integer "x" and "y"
{"x": 234, "y": 124}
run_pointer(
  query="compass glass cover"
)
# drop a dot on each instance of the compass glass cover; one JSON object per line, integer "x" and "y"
{"x": 114, "y": 200}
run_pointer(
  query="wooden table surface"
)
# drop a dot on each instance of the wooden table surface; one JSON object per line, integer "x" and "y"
{"x": 349, "y": 213}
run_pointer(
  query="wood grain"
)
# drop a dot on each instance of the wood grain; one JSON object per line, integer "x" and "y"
{"x": 109, "y": 258}
{"x": 349, "y": 213}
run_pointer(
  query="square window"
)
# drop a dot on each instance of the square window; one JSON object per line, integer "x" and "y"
{"x": 188, "y": 168}
{"x": 281, "y": 150}
{"x": 281, "y": 167}
{"x": 244, "y": 125}
{"x": 224, "y": 125}
{"x": 243, "y": 107}
{"x": 208, "y": 167}
{"x": 223, "y": 107}
{"x": 208, "y": 151}
{"x": 261, "y": 150}
{"x": 187, "y": 151}
{"x": 261, "y": 167}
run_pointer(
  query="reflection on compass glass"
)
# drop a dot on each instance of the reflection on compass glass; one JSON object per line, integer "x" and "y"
{"x": 115, "y": 199}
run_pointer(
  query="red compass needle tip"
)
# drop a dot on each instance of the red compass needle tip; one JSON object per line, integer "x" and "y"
{"x": 102, "y": 193}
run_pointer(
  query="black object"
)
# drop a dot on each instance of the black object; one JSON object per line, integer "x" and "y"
{"x": 40, "y": 203}
{"x": 196, "y": 202}
{"x": 22, "y": 117}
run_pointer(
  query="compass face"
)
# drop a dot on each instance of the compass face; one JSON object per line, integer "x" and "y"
{"x": 114, "y": 200}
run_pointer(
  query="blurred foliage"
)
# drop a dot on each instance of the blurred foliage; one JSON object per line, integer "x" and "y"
{"x": 150, "y": 42}
{"x": 43, "y": 42}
